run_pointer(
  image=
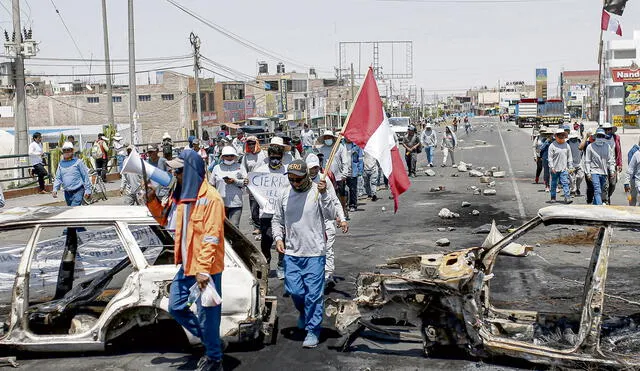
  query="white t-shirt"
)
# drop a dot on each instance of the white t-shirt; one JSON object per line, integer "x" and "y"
{"x": 308, "y": 137}
{"x": 230, "y": 193}
{"x": 35, "y": 153}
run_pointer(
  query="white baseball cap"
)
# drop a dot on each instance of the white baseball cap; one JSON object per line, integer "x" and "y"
{"x": 228, "y": 151}
{"x": 67, "y": 145}
{"x": 312, "y": 160}
{"x": 277, "y": 141}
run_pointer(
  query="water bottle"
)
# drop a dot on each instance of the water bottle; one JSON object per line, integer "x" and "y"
{"x": 194, "y": 294}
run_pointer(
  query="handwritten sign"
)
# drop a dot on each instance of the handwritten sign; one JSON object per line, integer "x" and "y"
{"x": 265, "y": 188}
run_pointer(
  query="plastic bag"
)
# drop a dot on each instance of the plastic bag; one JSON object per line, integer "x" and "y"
{"x": 210, "y": 296}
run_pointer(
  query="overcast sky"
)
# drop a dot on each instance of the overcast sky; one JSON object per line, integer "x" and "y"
{"x": 456, "y": 44}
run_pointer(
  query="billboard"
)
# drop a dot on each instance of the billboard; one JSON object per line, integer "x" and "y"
{"x": 541, "y": 83}
{"x": 631, "y": 99}
{"x": 625, "y": 75}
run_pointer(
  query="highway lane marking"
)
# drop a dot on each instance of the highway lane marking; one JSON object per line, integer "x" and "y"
{"x": 513, "y": 174}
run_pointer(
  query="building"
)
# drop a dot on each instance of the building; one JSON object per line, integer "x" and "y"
{"x": 579, "y": 93}
{"x": 620, "y": 54}
{"x": 167, "y": 106}
{"x": 486, "y": 101}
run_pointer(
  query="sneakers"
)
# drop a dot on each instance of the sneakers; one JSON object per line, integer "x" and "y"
{"x": 568, "y": 200}
{"x": 552, "y": 201}
{"x": 352, "y": 209}
{"x": 255, "y": 231}
{"x": 547, "y": 189}
{"x": 311, "y": 341}
{"x": 374, "y": 198}
{"x": 537, "y": 180}
{"x": 207, "y": 364}
{"x": 43, "y": 192}
{"x": 431, "y": 165}
{"x": 280, "y": 272}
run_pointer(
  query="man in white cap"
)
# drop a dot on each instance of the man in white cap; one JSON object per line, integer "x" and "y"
{"x": 560, "y": 165}
{"x": 429, "y": 141}
{"x": 288, "y": 155}
{"x": 72, "y": 175}
{"x": 613, "y": 140}
{"x": 167, "y": 146}
{"x": 154, "y": 159}
{"x": 576, "y": 155}
{"x": 340, "y": 165}
{"x": 229, "y": 178}
{"x": 300, "y": 212}
{"x": 238, "y": 142}
{"x": 100, "y": 152}
{"x": 313, "y": 164}
{"x": 120, "y": 149}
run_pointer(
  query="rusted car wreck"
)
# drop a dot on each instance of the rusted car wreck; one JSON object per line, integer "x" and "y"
{"x": 552, "y": 306}
{"x": 75, "y": 279}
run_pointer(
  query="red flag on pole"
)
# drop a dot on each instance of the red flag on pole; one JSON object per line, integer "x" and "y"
{"x": 368, "y": 127}
{"x": 610, "y": 23}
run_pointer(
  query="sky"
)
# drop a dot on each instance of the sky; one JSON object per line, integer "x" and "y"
{"x": 457, "y": 44}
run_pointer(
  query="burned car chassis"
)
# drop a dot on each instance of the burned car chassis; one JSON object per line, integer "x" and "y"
{"x": 444, "y": 300}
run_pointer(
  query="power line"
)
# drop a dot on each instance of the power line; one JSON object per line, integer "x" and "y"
{"x": 159, "y": 59}
{"x": 473, "y": 1}
{"x": 237, "y": 38}
{"x": 69, "y": 32}
{"x": 104, "y": 74}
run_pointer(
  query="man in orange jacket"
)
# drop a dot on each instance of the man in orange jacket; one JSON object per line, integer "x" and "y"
{"x": 196, "y": 213}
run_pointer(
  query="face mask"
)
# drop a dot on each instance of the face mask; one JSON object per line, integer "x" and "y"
{"x": 275, "y": 163}
{"x": 229, "y": 162}
{"x": 302, "y": 186}
{"x": 328, "y": 142}
{"x": 599, "y": 141}
{"x": 609, "y": 136}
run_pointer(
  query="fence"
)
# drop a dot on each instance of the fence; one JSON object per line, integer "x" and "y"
{"x": 16, "y": 168}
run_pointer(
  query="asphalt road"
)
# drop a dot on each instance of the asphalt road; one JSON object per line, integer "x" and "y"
{"x": 374, "y": 236}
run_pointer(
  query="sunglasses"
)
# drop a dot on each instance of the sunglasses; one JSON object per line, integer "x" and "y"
{"x": 67, "y": 150}
{"x": 251, "y": 143}
{"x": 296, "y": 180}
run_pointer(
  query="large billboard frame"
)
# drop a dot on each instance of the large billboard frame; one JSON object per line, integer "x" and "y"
{"x": 391, "y": 60}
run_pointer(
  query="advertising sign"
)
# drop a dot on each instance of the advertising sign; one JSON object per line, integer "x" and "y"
{"x": 625, "y": 75}
{"x": 265, "y": 188}
{"x": 631, "y": 98}
{"x": 283, "y": 95}
{"x": 620, "y": 121}
{"x": 541, "y": 83}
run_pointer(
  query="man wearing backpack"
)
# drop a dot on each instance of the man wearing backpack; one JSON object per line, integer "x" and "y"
{"x": 72, "y": 175}
{"x": 100, "y": 152}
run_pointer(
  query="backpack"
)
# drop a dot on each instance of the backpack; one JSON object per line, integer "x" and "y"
{"x": 97, "y": 150}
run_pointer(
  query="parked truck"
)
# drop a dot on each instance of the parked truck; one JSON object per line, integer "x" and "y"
{"x": 551, "y": 112}
{"x": 527, "y": 112}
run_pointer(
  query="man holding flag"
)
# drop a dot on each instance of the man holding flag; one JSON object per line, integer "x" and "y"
{"x": 368, "y": 127}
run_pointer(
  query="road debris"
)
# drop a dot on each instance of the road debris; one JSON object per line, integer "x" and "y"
{"x": 466, "y": 203}
{"x": 430, "y": 172}
{"x": 447, "y": 214}
{"x": 485, "y": 179}
{"x": 443, "y": 242}
{"x": 475, "y": 212}
{"x": 489, "y": 192}
{"x": 437, "y": 189}
{"x": 499, "y": 174}
{"x": 475, "y": 173}
{"x": 512, "y": 249}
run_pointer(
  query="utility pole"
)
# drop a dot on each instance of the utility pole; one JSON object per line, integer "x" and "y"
{"x": 107, "y": 65}
{"x": 353, "y": 87}
{"x": 133, "y": 97}
{"x": 421, "y": 102}
{"x": 195, "y": 42}
{"x": 22, "y": 128}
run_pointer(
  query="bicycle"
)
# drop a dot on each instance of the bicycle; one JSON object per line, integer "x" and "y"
{"x": 98, "y": 189}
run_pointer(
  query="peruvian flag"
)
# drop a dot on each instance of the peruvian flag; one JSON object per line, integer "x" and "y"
{"x": 368, "y": 127}
{"x": 610, "y": 23}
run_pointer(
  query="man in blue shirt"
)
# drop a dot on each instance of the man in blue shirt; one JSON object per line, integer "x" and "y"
{"x": 356, "y": 167}
{"x": 72, "y": 175}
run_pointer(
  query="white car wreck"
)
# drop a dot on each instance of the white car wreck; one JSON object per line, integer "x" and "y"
{"x": 572, "y": 299}
{"x": 74, "y": 279}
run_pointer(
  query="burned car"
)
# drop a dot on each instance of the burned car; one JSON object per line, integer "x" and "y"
{"x": 573, "y": 297}
{"x": 74, "y": 279}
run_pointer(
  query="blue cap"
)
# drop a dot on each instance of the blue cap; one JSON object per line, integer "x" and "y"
{"x": 600, "y": 131}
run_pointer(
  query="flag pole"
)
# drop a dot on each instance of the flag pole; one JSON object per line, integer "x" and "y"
{"x": 344, "y": 127}
{"x": 600, "y": 52}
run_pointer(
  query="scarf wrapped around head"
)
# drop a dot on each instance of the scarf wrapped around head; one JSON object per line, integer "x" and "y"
{"x": 257, "y": 148}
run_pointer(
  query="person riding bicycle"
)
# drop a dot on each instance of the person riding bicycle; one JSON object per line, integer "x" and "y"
{"x": 73, "y": 176}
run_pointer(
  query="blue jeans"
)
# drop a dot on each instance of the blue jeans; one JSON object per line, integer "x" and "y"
{"x": 120, "y": 159}
{"x": 74, "y": 198}
{"x": 429, "y": 151}
{"x": 304, "y": 280}
{"x": 599, "y": 181}
{"x": 206, "y": 325}
{"x": 547, "y": 172}
{"x": 563, "y": 177}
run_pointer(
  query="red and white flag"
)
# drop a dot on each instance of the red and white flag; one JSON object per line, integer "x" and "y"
{"x": 610, "y": 23}
{"x": 369, "y": 128}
